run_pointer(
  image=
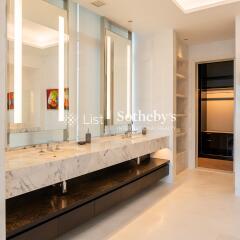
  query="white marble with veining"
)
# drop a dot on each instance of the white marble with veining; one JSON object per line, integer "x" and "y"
{"x": 28, "y": 169}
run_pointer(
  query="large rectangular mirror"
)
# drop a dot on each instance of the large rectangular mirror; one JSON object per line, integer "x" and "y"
{"x": 37, "y": 81}
{"x": 118, "y": 77}
{"x": 44, "y": 83}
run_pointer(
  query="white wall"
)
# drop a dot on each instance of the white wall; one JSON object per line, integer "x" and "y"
{"x": 2, "y": 115}
{"x": 154, "y": 78}
{"x": 200, "y": 53}
{"x": 154, "y": 66}
{"x": 237, "y": 109}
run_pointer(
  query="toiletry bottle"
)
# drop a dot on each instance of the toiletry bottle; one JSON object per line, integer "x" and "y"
{"x": 88, "y": 137}
{"x": 144, "y": 131}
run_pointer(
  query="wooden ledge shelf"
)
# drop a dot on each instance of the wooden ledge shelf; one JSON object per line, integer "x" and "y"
{"x": 181, "y": 115}
{"x": 180, "y": 76}
{"x": 181, "y": 96}
{"x": 181, "y": 134}
{"x": 46, "y": 214}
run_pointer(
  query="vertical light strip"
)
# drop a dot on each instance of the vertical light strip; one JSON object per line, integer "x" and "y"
{"x": 129, "y": 82}
{"x": 61, "y": 71}
{"x": 78, "y": 72}
{"x": 133, "y": 74}
{"x": 109, "y": 48}
{"x": 18, "y": 61}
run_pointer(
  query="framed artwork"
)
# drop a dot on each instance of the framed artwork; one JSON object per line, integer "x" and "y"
{"x": 52, "y": 99}
{"x": 10, "y": 100}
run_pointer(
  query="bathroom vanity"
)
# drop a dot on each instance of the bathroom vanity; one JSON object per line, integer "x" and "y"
{"x": 57, "y": 103}
{"x": 98, "y": 176}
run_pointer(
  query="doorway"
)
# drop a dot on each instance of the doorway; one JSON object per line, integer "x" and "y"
{"x": 216, "y": 115}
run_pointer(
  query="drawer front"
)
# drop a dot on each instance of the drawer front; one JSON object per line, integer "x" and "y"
{"x": 107, "y": 201}
{"x": 130, "y": 190}
{"x": 154, "y": 177}
{"x": 217, "y": 144}
{"x": 75, "y": 218}
{"x": 46, "y": 231}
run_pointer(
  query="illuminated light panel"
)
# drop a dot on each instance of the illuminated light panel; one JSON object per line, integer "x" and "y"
{"x": 109, "y": 78}
{"x": 18, "y": 61}
{"x": 189, "y": 6}
{"x": 61, "y": 71}
{"x": 78, "y": 73}
{"x": 129, "y": 78}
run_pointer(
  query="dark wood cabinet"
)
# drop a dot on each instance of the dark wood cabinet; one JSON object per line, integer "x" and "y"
{"x": 217, "y": 145}
{"x": 105, "y": 202}
{"x": 128, "y": 180}
{"x": 45, "y": 231}
{"x": 130, "y": 190}
{"x": 74, "y": 218}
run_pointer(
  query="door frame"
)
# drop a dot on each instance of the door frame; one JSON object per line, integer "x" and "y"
{"x": 194, "y": 105}
{"x": 198, "y": 110}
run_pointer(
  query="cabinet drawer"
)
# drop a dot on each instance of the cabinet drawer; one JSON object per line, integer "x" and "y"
{"x": 46, "y": 231}
{"x": 130, "y": 190}
{"x": 154, "y": 177}
{"x": 75, "y": 217}
{"x": 105, "y": 202}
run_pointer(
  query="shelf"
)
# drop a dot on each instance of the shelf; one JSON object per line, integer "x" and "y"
{"x": 181, "y": 96}
{"x": 205, "y": 90}
{"x": 181, "y": 59}
{"x": 181, "y": 101}
{"x": 181, "y": 115}
{"x": 181, "y": 155}
{"x": 181, "y": 134}
{"x": 217, "y": 132}
{"x": 227, "y": 77}
{"x": 180, "y": 76}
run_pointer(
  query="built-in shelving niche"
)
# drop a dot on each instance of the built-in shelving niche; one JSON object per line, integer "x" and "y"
{"x": 181, "y": 109}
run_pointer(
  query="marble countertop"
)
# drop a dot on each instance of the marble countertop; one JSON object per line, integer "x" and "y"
{"x": 28, "y": 169}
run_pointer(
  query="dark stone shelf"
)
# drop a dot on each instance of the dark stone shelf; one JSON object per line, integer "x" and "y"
{"x": 30, "y": 210}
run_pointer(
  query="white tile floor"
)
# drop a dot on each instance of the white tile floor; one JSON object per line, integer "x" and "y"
{"x": 200, "y": 206}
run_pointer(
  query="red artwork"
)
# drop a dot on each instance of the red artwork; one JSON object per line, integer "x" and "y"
{"x": 52, "y": 99}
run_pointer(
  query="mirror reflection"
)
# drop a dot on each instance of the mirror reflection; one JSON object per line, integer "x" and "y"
{"x": 52, "y": 93}
{"x": 37, "y": 84}
{"x": 118, "y": 77}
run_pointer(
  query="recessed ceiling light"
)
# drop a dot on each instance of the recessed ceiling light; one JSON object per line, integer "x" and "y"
{"x": 98, "y": 3}
{"x": 189, "y": 6}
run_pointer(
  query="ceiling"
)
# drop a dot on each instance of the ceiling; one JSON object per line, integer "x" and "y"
{"x": 150, "y": 16}
{"x": 36, "y": 35}
{"x": 189, "y": 6}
